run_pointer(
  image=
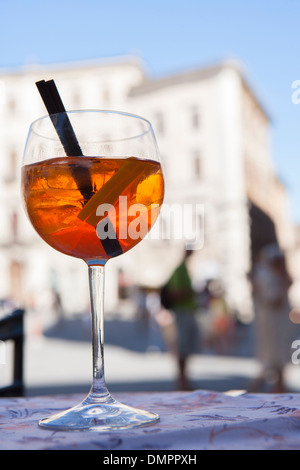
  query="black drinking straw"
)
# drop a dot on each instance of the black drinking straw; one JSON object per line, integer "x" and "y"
{"x": 67, "y": 136}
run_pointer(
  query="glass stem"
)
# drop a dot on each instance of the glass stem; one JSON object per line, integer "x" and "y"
{"x": 96, "y": 283}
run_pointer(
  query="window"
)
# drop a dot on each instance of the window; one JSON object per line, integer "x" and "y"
{"x": 11, "y": 173}
{"x": 195, "y": 118}
{"x": 13, "y": 161}
{"x": 197, "y": 164}
{"x": 14, "y": 222}
{"x": 106, "y": 97}
{"x": 76, "y": 100}
{"x": 159, "y": 123}
{"x": 16, "y": 270}
{"x": 11, "y": 106}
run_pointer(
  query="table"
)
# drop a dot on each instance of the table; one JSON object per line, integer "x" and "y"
{"x": 189, "y": 421}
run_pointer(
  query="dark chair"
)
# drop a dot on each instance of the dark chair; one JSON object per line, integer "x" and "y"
{"x": 12, "y": 328}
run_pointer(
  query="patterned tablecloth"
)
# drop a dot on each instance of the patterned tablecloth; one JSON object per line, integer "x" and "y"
{"x": 188, "y": 421}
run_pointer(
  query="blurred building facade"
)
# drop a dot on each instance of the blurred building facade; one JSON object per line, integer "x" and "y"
{"x": 214, "y": 138}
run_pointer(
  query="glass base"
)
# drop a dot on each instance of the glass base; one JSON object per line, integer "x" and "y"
{"x": 94, "y": 414}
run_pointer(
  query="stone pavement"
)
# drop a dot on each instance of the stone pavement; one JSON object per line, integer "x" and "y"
{"x": 60, "y": 361}
{"x": 135, "y": 360}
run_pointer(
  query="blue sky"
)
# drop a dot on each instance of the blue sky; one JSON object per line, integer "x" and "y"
{"x": 174, "y": 35}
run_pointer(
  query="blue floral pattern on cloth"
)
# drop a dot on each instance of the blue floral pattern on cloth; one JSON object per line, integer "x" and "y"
{"x": 195, "y": 420}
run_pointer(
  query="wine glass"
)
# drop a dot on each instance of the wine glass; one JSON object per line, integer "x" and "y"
{"x": 94, "y": 200}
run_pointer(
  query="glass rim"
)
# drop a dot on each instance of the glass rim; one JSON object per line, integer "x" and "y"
{"x": 137, "y": 117}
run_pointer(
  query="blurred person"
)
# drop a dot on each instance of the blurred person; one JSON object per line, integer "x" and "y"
{"x": 179, "y": 297}
{"x": 273, "y": 328}
{"x": 123, "y": 285}
{"x": 222, "y": 324}
{"x": 34, "y": 320}
{"x": 157, "y": 322}
{"x": 204, "y": 318}
{"x": 142, "y": 311}
{"x": 165, "y": 319}
{"x": 57, "y": 304}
